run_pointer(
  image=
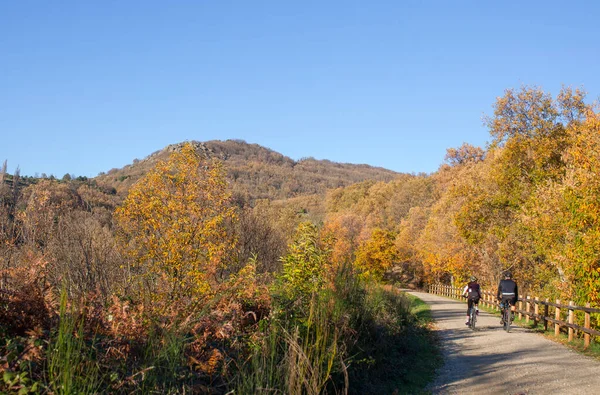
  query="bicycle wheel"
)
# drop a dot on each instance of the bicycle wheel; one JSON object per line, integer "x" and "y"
{"x": 473, "y": 318}
{"x": 507, "y": 319}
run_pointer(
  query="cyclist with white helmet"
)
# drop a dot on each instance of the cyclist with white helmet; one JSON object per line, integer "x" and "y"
{"x": 472, "y": 292}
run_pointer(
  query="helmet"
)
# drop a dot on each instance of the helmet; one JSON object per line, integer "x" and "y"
{"x": 507, "y": 274}
{"x": 473, "y": 278}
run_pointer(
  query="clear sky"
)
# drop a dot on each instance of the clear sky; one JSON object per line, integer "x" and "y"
{"x": 86, "y": 86}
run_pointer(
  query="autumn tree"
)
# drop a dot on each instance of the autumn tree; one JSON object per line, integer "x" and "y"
{"x": 410, "y": 253}
{"x": 377, "y": 254}
{"x": 565, "y": 216}
{"x": 464, "y": 154}
{"x": 45, "y": 203}
{"x": 172, "y": 227}
{"x": 529, "y": 132}
{"x": 417, "y": 191}
{"x": 259, "y": 237}
{"x": 84, "y": 255}
{"x": 341, "y": 232}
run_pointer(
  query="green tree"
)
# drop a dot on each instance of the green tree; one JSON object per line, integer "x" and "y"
{"x": 304, "y": 266}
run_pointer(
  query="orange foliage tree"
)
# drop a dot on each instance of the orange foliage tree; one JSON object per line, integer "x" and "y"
{"x": 581, "y": 191}
{"x": 377, "y": 254}
{"x": 341, "y": 233}
{"x": 172, "y": 227}
{"x": 565, "y": 216}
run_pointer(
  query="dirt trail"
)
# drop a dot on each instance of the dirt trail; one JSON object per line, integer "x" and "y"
{"x": 491, "y": 361}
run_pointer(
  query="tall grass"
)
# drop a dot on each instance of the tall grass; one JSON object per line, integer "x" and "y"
{"x": 71, "y": 366}
{"x": 310, "y": 356}
{"x": 353, "y": 337}
{"x": 164, "y": 363}
{"x": 263, "y": 371}
{"x": 292, "y": 357}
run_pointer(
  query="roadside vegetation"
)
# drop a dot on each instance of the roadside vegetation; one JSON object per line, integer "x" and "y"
{"x": 160, "y": 298}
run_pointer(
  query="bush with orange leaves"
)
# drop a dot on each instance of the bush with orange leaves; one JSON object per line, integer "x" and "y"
{"x": 27, "y": 313}
{"x": 26, "y": 300}
{"x": 243, "y": 301}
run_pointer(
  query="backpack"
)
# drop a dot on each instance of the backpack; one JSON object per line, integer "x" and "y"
{"x": 473, "y": 291}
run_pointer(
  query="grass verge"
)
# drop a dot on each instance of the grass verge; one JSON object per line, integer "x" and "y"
{"x": 401, "y": 360}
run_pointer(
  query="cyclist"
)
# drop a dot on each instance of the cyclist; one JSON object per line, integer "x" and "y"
{"x": 472, "y": 292}
{"x": 508, "y": 293}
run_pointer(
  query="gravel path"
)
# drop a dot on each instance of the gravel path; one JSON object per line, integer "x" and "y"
{"x": 491, "y": 361}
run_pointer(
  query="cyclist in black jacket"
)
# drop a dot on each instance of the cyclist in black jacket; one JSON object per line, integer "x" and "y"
{"x": 508, "y": 292}
{"x": 472, "y": 292}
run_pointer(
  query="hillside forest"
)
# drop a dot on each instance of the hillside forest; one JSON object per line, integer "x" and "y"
{"x": 220, "y": 266}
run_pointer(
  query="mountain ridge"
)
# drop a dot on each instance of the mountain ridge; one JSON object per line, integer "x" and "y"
{"x": 257, "y": 172}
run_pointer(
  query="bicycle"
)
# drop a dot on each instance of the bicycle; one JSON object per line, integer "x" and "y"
{"x": 473, "y": 317}
{"x": 506, "y": 315}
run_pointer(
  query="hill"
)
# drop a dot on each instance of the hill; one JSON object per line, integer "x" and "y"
{"x": 256, "y": 172}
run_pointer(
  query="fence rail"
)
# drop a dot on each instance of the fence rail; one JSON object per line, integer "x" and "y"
{"x": 532, "y": 308}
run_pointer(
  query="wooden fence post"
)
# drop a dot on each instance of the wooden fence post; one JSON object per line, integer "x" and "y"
{"x": 557, "y": 317}
{"x": 527, "y": 307}
{"x": 571, "y": 316}
{"x": 546, "y": 307}
{"x": 536, "y": 310}
{"x": 520, "y": 309}
{"x": 586, "y": 336}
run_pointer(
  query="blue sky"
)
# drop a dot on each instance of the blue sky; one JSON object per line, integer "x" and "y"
{"x": 88, "y": 86}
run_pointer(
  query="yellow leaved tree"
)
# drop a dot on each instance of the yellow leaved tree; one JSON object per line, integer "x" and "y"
{"x": 173, "y": 228}
{"x": 377, "y": 254}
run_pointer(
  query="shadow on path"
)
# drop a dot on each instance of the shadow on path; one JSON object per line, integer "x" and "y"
{"x": 491, "y": 361}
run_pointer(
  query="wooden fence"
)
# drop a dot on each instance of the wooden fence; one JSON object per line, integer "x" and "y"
{"x": 538, "y": 311}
